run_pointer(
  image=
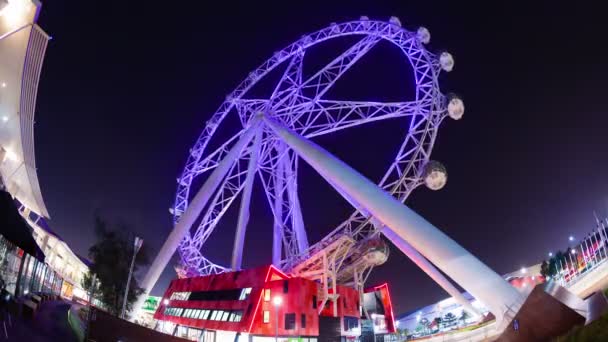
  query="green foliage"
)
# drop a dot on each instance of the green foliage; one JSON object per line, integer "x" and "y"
{"x": 111, "y": 255}
{"x": 596, "y": 331}
{"x": 449, "y": 319}
{"x": 464, "y": 316}
{"x": 550, "y": 269}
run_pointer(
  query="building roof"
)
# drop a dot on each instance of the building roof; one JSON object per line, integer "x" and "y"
{"x": 22, "y": 48}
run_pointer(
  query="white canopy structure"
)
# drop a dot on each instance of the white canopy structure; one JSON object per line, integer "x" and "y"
{"x": 22, "y": 48}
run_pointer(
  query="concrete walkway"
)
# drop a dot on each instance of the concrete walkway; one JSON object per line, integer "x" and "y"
{"x": 50, "y": 324}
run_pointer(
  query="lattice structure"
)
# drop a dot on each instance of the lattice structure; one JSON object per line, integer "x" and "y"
{"x": 301, "y": 105}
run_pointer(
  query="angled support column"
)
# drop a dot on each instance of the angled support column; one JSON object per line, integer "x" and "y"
{"x": 277, "y": 230}
{"x": 451, "y": 258}
{"x": 431, "y": 271}
{"x": 416, "y": 257}
{"x": 241, "y": 227}
{"x": 296, "y": 211}
{"x": 191, "y": 214}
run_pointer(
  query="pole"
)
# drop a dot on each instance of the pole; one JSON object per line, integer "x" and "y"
{"x": 136, "y": 245}
{"x": 90, "y": 313}
{"x": 276, "y": 326}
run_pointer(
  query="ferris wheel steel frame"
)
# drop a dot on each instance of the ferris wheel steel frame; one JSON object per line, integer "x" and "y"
{"x": 314, "y": 116}
{"x": 276, "y": 133}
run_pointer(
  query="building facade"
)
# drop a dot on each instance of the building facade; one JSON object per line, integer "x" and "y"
{"x": 263, "y": 304}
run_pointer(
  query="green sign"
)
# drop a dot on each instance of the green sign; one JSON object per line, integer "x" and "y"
{"x": 151, "y": 304}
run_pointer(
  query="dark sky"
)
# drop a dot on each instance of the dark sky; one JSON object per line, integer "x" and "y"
{"x": 127, "y": 87}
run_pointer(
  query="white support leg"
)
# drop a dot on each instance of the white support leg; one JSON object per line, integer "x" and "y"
{"x": 296, "y": 215}
{"x": 451, "y": 258}
{"x": 241, "y": 227}
{"x": 277, "y": 231}
{"x": 431, "y": 271}
{"x": 190, "y": 215}
{"x": 416, "y": 257}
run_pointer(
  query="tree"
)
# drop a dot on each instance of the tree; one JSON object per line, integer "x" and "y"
{"x": 111, "y": 256}
{"x": 464, "y": 316}
{"x": 89, "y": 287}
{"x": 449, "y": 320}
{"x": 438, "y": 321}
{"x": 424, "y": 324}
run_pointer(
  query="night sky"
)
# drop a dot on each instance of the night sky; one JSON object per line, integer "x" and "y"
{"x": 127, "y": 87}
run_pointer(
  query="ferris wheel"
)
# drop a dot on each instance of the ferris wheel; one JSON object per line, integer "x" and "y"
{"x": 300, "y": 104}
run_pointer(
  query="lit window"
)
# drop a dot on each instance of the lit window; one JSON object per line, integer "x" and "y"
{"x": 205, "y": 314}
{"x": 219, "y": 315}
{"x": 225, "y": 316}
{"x": 245, "y": 293}
{"x": 238, "y": 315}
{"x": 267, "y": 295}
{"x": 213, "y": 315}
{"x": 187, "y": 313}
{"x": 266, "y": 316}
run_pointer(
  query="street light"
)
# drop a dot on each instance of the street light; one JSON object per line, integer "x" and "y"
{"x": 573, "y": 251}
{"x": 571, "y": 238}
{"x": 276, "y": 301}
{"x": 550, "y": 254}
{"x": 166, "y": 302}
{"x": 523, "y": 270}
{"x": 136, "y": 246}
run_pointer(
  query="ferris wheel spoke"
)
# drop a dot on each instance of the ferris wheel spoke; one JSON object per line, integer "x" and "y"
{"x": 215, "y": 157}
{"x": 277, "y": 170}
{"x": 326, "y": 116}
{"x": 325, "y": 78}
{"x": 230, "y": 188}
{"x": 287, "y": 89}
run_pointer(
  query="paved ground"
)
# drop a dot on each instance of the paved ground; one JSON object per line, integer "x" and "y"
{"x": 50, "y": 324}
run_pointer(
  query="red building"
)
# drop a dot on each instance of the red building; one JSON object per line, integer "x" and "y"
{"x": 257, "y": 305}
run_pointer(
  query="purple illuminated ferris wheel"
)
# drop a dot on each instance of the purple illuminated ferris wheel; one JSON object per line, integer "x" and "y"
{"x": 274, "y": 134}
{"x": 300, "y": 104}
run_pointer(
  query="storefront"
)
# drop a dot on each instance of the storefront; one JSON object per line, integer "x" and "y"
{"x": 22, "y": 267}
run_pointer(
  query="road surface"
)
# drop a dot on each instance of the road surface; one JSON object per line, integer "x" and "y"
{"x": 50, "y": 324}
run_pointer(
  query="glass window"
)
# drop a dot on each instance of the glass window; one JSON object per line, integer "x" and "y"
{"x": 213, "y": 315}
{"x": 205, "y": 314}
{"x": 303, "y": 318}
{"x": 285, "y": 286}
{"x": 245, "y": 293}
{"x": 218, "y": 315}
{"x": 290, "y": 321}
{"x": 236, "y": 316}
{"x": 267, "y": 295}
{"x": 266, "y": 316}
{"x": 314, "y": 302}
{"x": 350, "y": 323}
{"x": 225, "y": 316}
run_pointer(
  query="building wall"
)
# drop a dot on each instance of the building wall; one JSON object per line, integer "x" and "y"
{"x": 297, "y": 300}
